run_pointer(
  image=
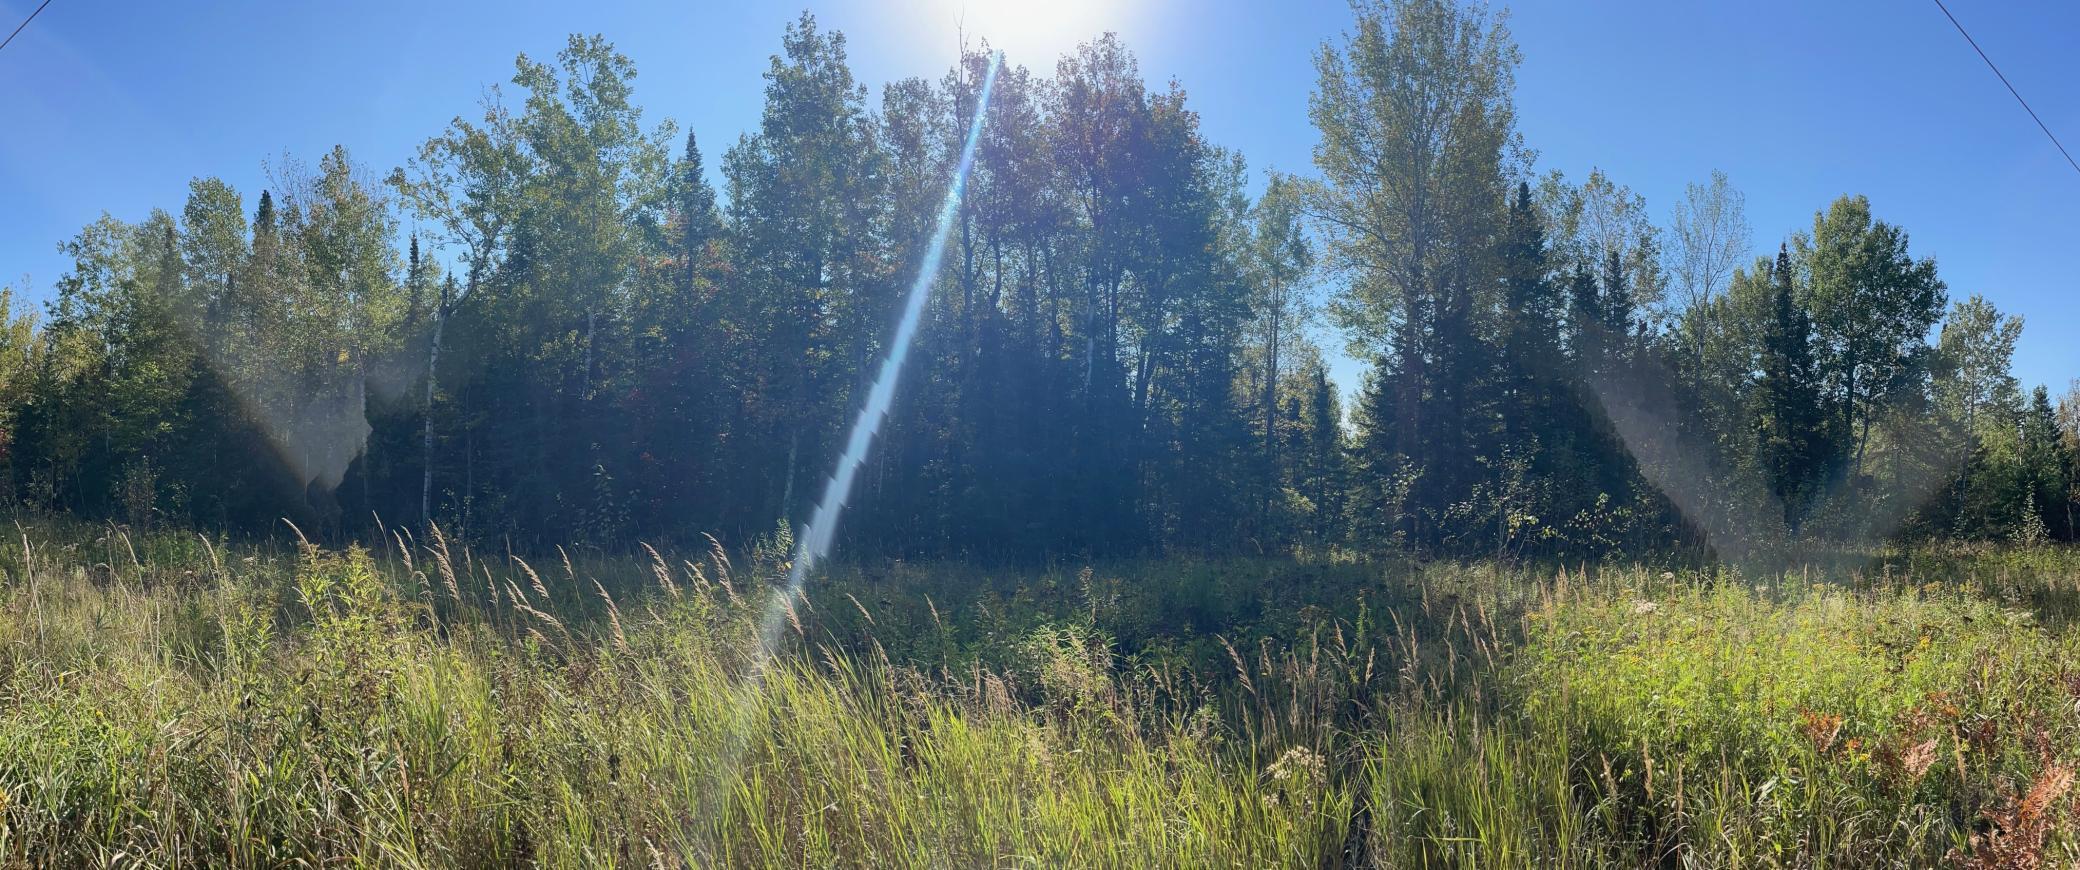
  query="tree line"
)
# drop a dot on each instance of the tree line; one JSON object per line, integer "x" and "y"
{"x": 548, "y": 326}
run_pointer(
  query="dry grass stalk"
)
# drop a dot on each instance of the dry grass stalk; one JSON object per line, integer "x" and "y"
{"x": 862, "y": 609}
{"x": 404, "y": 552}
{"x": 534, "y": 580}
{"x": 613, "y": 618}
{"x": 443, "y": 561}
{"x": 662, "y": 571}
{"x": 720, "y": 556}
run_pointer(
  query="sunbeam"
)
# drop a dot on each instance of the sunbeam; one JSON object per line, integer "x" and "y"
{"x": 816, "y": 538}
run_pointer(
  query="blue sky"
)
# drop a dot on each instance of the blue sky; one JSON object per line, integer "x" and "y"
{"x": 114, "y": 108}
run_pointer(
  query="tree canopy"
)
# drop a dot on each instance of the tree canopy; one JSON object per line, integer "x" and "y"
{"x": 589, "y": 341}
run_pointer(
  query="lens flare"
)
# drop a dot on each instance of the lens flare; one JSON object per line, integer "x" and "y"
{"x": 816, "y": 538}
{"x": 823, "y": 524}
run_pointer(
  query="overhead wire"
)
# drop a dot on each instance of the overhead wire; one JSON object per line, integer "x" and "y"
{"x": 2011, "y": 87}
{"x": 25, "y": 23}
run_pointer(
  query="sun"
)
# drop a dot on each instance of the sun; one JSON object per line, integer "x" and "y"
{"x": 1035, "y": 32}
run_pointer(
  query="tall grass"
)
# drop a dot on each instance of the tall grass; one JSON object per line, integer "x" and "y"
{"x": 264, "y": 713}
{"x": 167, "y": 701}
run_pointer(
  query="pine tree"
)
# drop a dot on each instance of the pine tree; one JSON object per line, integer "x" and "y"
{"x": 1381, "y": 473}
{"x": 263, "y": 215}
{"x": 694, "y": 207}
{"x": 1530, "y": 355}
{"x": 1616, "y": 307}
{"x": 1789, "y": 420}
{"x": 1587, "y": 340}
{"x": 1321, "y": 473}
{"x": 1531, "y": 304}
{"x": 2045, "y": 467}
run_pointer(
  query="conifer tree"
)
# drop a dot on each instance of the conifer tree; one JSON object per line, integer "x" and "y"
{"x": 1789, "y": 420}
{"x": 2045, "y": 475}
{"x": 694, "y": 209}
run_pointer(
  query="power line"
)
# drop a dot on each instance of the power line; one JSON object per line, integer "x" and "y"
{"x": 25, "y": 23}
{"x": 2004, "y": 80}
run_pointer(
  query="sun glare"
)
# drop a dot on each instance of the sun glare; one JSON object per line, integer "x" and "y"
{"x": 1034, "y": 32}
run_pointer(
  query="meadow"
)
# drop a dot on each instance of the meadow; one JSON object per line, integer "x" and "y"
{"x": 171, "y": 700}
